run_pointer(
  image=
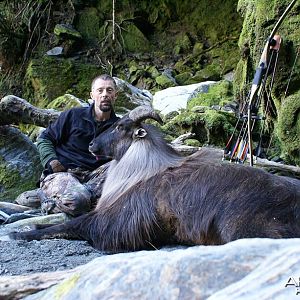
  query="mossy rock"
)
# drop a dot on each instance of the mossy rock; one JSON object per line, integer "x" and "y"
{"x": 198, "y": 48}
{"x": 134, "y": 39}
{"x": 218, "y": 94}
{"x": 48, "y": 78}
{"x": 183, "y": 78}
{"x": 192, "y": 142}
{"x": 211, "y": 127}
{"x": 88, "y": 23}
{"x": 164, "y": 81}
{"x": 20, "y": 166}
{"x": 209, "y": 72}
{"x": 153, "y": 72}
{"x": 66, "y": 31}
{"x": 181, "y": 67}
{"x": 288, "y": 128}
{"x": 182, "y": 44}
{"x": 66, "y": 101}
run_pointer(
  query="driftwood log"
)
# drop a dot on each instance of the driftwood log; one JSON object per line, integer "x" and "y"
{"x": 18, "y": 287}
{"x": 15, "y": 110}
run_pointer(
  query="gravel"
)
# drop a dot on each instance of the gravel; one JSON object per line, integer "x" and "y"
{"x": 22, "y": 257}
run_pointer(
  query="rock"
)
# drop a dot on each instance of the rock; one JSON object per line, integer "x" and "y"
{"x": 26, "y": 224}
{"x": 176, "y": 98}
{"x": 10, "y": 212}
{"x": 165, "y": 81}
{"x": 11, "y": 207}
{"x": 29, "y": 198}
{"x": 56, "y": 51}
{"x": 130, "y": 96}
{"x": 20, "y": 166}
{"x": 67, "y": 31}
{"x": 182, "y": 138}
{"x": 243, "y": 269}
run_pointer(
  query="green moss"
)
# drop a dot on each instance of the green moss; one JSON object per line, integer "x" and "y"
{"x": 153, "y": 72}
{"x": 123, "y": 103}
{"x": 210, "y": 72}
{"x": 218, "y": 94}
{"x": 48, "y": 78}
{"x": 134, "y": 39}
{"x": 164, "y": 81}
{"x": 183, "y": 78}
{"x": 288, "y": 128}
{"x": 181, "y": 67}
{"x": 88, "y": 23}
{"x": 12, "y": 183}
{"x": 8, "y": 175}
{"x": 65, "y": 102}
{"x": 198, "y": 48}
{"x": 67, "y": 31}
{"x": 182, "y": 43}
{"x": 192, "y": 142}
{"x": 259, "y": 20}
{"x": 211, "y": 127}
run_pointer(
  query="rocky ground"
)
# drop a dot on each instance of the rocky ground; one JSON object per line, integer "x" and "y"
{"x": 21, "y": 257}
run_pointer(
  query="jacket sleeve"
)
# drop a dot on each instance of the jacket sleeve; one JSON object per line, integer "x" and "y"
{"x": 46, "y": 151}
{"x": 54, "y": 135}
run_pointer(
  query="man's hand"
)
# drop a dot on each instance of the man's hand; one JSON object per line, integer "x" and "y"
{"x": 56, "y": 166}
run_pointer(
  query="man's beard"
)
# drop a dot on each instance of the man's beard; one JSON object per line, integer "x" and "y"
{"x": 105, "y": 107}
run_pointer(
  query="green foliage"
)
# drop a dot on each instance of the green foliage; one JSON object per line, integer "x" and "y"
{"x": 22, "y": 25}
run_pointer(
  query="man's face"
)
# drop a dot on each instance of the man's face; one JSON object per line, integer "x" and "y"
{"x": 104, "y": 94}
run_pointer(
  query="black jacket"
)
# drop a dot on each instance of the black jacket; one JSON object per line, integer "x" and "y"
{"x": 71, "y": 134}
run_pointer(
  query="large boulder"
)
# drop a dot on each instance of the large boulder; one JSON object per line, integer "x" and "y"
{"x": 243, "y": 269}
{"x": 20, "y": 165}
{"x": 176, "y": 98}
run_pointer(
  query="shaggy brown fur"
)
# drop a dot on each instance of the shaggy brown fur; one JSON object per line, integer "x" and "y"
{"x": 153, "y": 197}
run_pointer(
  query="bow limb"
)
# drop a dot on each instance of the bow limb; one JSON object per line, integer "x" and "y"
{"x": 259, "y": 73}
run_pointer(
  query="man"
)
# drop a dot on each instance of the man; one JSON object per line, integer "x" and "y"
{"x": 63, "y": 146}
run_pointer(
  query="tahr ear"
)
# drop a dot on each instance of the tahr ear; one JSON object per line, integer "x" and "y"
{"x": 140, "y": 133}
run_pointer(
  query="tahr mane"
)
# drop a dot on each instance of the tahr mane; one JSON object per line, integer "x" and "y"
{"x": 145, "y": 158}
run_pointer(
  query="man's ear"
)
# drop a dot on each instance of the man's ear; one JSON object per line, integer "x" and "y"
{"x": 91, "y": 95}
